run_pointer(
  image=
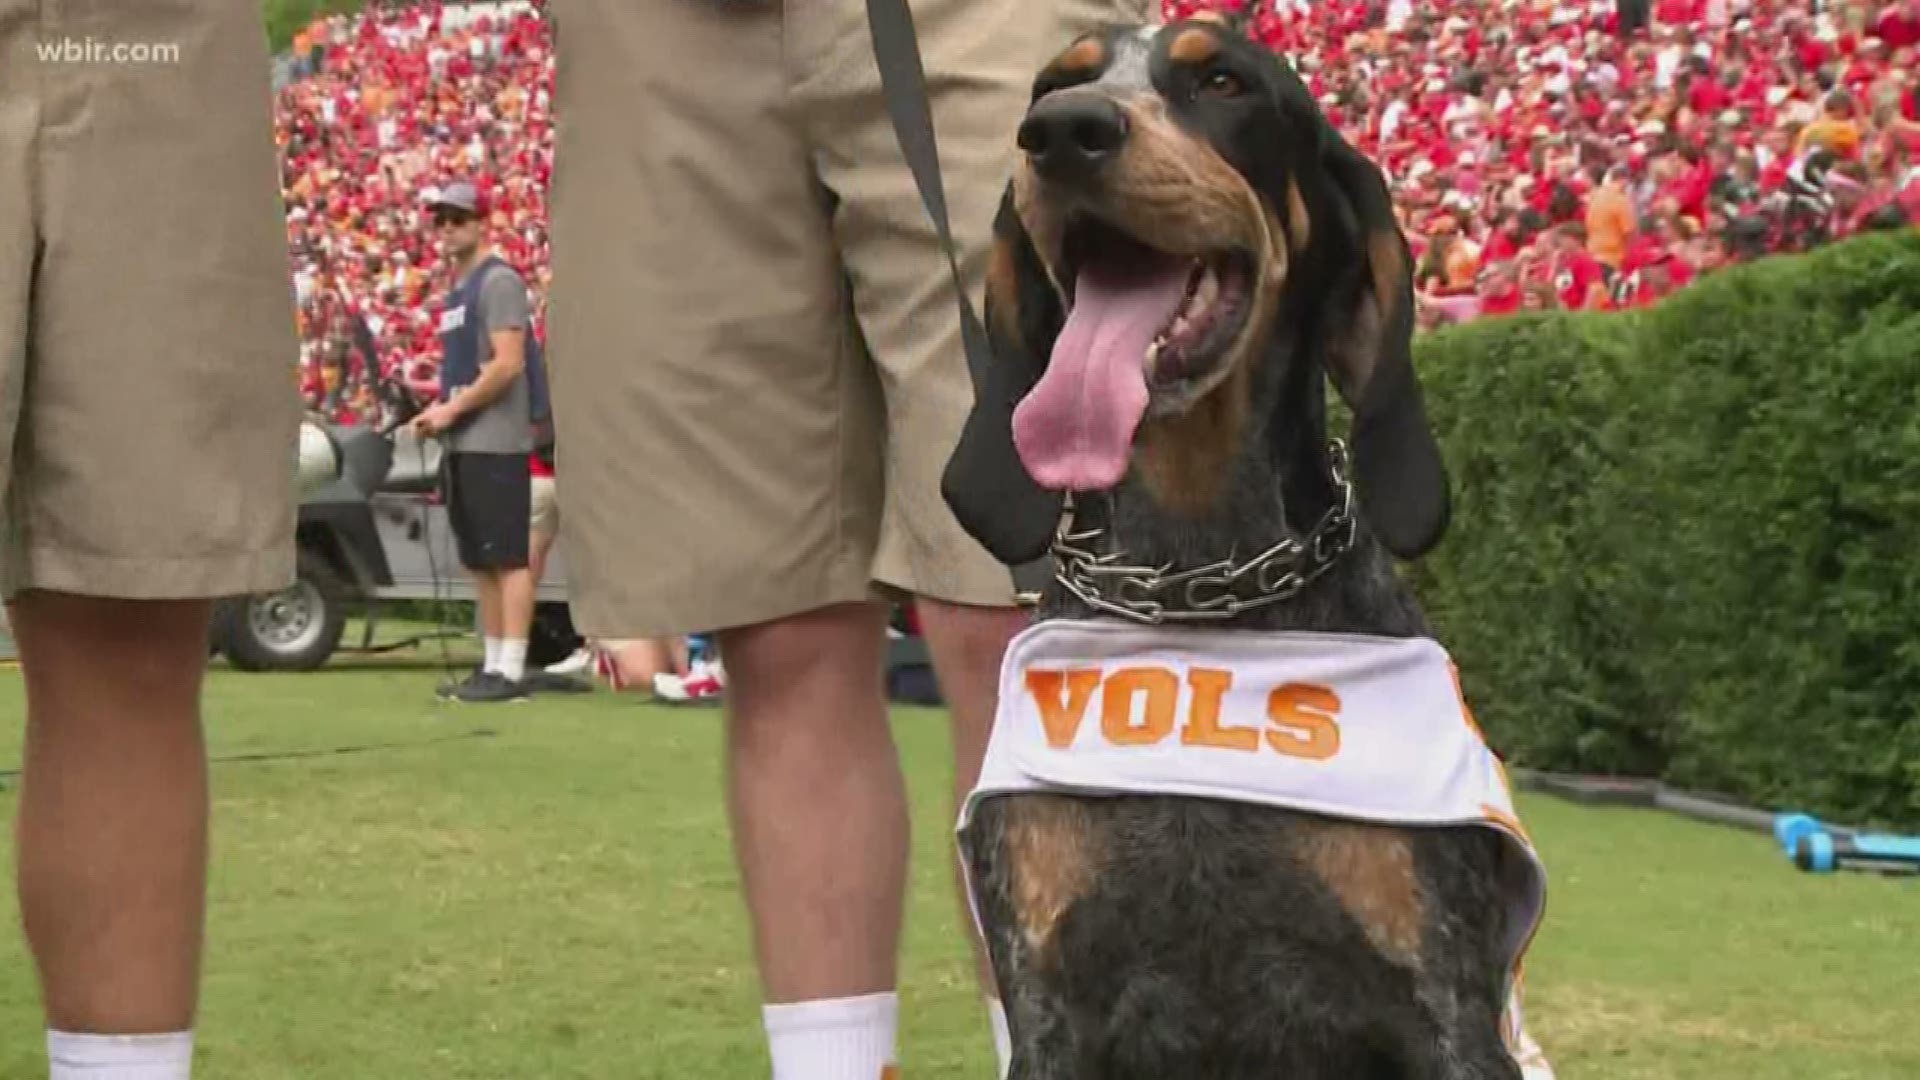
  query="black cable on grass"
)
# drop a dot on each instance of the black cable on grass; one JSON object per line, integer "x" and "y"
{"x": 323, "y": 751}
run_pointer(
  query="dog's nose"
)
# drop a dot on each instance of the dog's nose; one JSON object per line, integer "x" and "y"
{"x": 1073, "y": 138}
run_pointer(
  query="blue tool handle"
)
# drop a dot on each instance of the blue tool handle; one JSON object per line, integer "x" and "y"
{"x": 1824, "y": 853}
{"x": 1905, "y": 848}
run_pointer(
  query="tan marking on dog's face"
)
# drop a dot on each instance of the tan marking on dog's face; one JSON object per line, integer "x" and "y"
{"x": 1084, "y": 57}
{"x": 1386, "y": 260}
{"x": 1299, "y": 225}
{"x": 1370, "y": 870}
{"x": 1184, "y": 461}
{"x": 1003, "y": 290}
{"x": 1050, "y": 855}
{"x": 1193, "y": 46}
{"x": 1173, "y": 190}
{"x": 1044, "y": 222}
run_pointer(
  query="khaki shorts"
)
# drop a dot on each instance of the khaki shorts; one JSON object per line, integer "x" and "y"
{"x": 545, "y": 518}
{"x": 762, "y": 375}
{"x": 148, "y": 404}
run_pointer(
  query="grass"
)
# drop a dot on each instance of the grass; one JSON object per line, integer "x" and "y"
{"x": 558, "y": 900}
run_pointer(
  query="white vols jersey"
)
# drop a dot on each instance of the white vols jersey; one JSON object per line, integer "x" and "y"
{"x": 1358, "y": 727}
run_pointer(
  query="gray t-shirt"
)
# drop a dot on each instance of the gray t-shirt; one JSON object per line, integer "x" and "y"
{"x": 506, "y": 426}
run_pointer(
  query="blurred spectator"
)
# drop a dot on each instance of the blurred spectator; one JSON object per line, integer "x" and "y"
{"x": 1611, "y": 222}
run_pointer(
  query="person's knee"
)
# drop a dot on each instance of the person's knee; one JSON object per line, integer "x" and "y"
{"x": 45, "y": 620}
{"x": 540, "y": 545}
{"x": 808, "y": 688}
{"x": 806, "y": 645}
{"x": 153, "y": 652}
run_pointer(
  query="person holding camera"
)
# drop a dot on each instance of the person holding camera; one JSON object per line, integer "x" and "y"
{"x": 485, "y": 422}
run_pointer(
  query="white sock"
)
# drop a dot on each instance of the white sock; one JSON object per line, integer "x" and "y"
{"x": 513, "y": 658}
{"x": 119, "y": 1057}
{"x": 1002, "y": 1038}
{"x": 493, "y": 655}
{"x": 834, "y": 1039}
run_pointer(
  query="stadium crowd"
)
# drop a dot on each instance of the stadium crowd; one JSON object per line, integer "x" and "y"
{"x": 1542, "y": 154}
{"x": 384, "y": 108}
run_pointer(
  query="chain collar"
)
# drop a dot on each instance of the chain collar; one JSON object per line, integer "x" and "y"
{"x": 1221, "y": 590}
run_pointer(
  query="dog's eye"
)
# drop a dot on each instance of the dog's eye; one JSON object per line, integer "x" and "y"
{"x": 1221, "y": 83}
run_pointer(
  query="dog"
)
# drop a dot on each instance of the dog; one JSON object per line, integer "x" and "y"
{"x": 1188, "y": 252}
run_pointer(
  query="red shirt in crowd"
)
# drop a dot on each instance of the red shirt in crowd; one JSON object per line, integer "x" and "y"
{"x": 1707, "y": 96}
{"x": 1679, "y": 12}
{"x": 1500, "y": 301}
{"x": 1898, "y": 29}
{"x": 1574, "y": 277}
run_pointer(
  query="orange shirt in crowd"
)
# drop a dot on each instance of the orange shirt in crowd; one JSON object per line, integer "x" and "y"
{"x": 1462, "y": 264}
{"x": 1610, "y": 225}
{"x": 1840, "y": 136}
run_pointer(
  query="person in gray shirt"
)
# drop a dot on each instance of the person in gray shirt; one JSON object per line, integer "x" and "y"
{"x": 484, "y": 419}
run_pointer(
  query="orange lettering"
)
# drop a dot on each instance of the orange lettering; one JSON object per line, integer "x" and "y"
{"x": 1203, "y": 724}
{"x": 1465, "y": 710}
{"x": 1499, "y": 767}
{"x": 1062, "y": 718}
{"x": 1162, "y": 690}
{"x": 1304, "y": 725}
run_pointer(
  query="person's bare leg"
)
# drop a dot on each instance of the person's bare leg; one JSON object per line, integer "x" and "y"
{"x": 486, "y": 594}
{"x": 640, "y": 660}
{"x": 818, "y": 804}
{"x": 516, "y": 603}
{"x": 966, "y": 644}
{"x": 112, "y": 830}
{"x": 539, "y": 546}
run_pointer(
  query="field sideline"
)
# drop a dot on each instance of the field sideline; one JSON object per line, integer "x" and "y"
{"x": 557, "y": 900}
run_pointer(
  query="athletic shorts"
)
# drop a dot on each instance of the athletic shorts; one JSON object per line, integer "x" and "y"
{"x": 149, "y": 411}
{"x": 489, "y": 504}
{"x": 764, "y": 377}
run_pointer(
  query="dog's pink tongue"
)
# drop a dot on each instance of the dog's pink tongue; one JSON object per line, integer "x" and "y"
{"x": 1074, "y": 431}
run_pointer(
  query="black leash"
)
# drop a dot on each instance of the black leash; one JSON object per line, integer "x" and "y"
{"x": 903, "y": 83}
{"x": 323, "y": 751}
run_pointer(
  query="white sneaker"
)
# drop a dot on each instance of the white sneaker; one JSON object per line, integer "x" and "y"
{"x": 572, "y": 665}
{"x": 669, "y": 687}
{"x": 705, "y": 682}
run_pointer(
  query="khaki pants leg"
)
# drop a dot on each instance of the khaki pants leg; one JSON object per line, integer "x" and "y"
{"x": 720, "y": 444}
{"x": 981, "y": 57}
{"x": 147, "y": 352}
{"x": 765, "y": 377}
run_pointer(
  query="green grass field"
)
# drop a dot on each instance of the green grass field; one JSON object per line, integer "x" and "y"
{"x": 557, "y": 900}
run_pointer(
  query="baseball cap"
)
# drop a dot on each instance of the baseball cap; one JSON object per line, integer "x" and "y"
{"x": 459, "y": 195}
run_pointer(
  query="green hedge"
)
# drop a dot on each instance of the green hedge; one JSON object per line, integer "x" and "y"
{"x": 1687, "y": 540}
{"x": 286, "y": 18}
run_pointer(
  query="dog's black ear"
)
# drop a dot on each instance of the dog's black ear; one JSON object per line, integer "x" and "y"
{"x": 1397, "y": 467}
{"x": 985, "y": 484}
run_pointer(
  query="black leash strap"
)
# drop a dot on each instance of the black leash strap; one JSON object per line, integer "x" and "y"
{"x": 903, "y": 83}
